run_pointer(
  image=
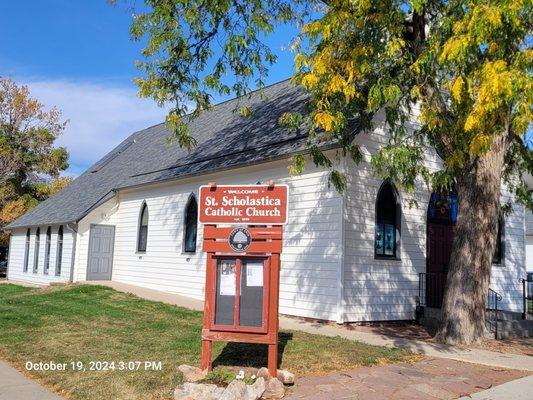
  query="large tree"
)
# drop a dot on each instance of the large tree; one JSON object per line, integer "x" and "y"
{"x": 29, "y": 163}
{"x": 462, "y": 68}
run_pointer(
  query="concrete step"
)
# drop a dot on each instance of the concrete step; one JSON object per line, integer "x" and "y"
{"x": 508, "y": 315}
{"x": 515, "y": 329}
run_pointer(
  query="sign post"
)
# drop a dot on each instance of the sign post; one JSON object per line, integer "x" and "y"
{"x": 243, "y": 241}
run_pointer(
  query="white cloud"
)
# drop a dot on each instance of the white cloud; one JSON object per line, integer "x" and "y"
{"x": 100, "y": 116}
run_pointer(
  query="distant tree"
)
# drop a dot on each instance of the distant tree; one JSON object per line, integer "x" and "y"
{"x": 462, "y": 67}
{"x": 29, "y": 163}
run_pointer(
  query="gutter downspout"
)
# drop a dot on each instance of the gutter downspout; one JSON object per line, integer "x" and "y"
{"x": 73, "y": 252}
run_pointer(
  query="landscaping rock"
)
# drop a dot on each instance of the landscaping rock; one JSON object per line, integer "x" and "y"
{"x": 285, "y": 377}
{"x": 236, "y": 390}
{"x": 198, "y": 391}
{"x": 263, "y": 373}
{"x": 191, "y": 374}
{"x": 256, "y": 390}
{"x": 274, "y": 389}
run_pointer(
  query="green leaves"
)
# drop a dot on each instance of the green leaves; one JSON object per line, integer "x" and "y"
{"x": 447, "y": 74}
{"x": 195, "y": 48}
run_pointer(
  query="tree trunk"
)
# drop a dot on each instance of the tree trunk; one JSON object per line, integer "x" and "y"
{"x": 467, "y": 284}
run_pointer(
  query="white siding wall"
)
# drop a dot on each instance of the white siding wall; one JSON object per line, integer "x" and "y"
{"x": 378, "y": 289}
{"x": 105, "y": 214}
{"x": 529, "y": 240}
{"x": 328, "y": 267}
{"x": 505, "y": 277}
{"x": 529, "y": 253}
{"x": 311, "y": 259}
{"x": 16, "y": 256}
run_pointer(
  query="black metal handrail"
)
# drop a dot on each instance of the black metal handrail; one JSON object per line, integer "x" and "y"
{"x": 431, "y": 289}
{"x": 493, "y": 311}
{"x": 527, "y": 297}
{"x": 431, "y": 292}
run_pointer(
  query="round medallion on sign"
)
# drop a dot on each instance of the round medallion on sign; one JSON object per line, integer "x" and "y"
{"x": 240, "y": 239}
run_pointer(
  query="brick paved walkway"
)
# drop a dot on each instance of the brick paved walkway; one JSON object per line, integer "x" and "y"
{"x": 430, "y": 379}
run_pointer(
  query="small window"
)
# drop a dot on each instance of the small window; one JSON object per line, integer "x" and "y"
{"x": 36, "y": 251}
{"x": 47, "y": 246}
{"x": 142, "y": 236}
{"x": 59, "y": 251}
{"x": 27, "y": 251}
{"x": 388, "y": 213}
{"x": 498, "y": 250}
{"x": 191, "y": 225}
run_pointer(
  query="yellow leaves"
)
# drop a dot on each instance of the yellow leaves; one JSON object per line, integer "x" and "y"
{"x": 493, "y": 15}
{"x": 471, "y": 123}
{"x": 336, "y": 83}
{"x": 321, "y": 63}
{"x": 498, "y": 87}
{"x": 309, "y": 81}
{"x": 480, "y": 144}
{"x": 454, "y": 49}
{"x": 485, "y": 15}
{"x": 364, "y": 5}
{"x": 173, "y": 118}
{"x": 326, "y": 31}
{"x": 312, "y": 28}
{"x": 395, "y": 47}
{"x": 522, "y": 116}
{"x": 457, "y": 88}
{"x": 245, "y": 111}
{"x": 430, "y": 118}
{"x": 349, "y": 93}
{"x": 416, "y": 92}
{"x": 325, "y": 120}
{"x": 351, "y": 70}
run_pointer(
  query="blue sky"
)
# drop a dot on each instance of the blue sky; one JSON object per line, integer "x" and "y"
{"x": 78, "y": 56}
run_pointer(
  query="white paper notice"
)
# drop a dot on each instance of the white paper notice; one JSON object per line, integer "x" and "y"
{"x": 227, "y": 284}
{"x": 254, "y": 273}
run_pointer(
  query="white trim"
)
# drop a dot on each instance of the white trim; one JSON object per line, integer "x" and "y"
{"x": 341, "y": 304}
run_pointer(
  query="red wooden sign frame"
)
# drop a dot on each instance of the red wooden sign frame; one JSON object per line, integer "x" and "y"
{"x": 266, "y": 245}
{"x": 236, "y": 327}
{"x": 243, "y": 204}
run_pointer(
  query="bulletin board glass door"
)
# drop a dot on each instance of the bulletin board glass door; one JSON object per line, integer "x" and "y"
{"x": 241, "y": 295}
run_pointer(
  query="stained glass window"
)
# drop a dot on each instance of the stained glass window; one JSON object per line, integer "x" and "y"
{"x": 143, "y": 229}
{"x": 191, "y": 222}
{"x": 387, "y": 221}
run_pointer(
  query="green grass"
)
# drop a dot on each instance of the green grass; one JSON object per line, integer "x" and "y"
{"x": 93, "y": 323}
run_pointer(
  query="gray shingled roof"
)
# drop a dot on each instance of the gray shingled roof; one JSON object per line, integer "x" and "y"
{"x": 225, "y": 140}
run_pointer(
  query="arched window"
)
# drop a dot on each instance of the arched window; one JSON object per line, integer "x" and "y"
{"x": 498, "y": 250}
{"x": 191, "y": 225}
{"x": 36, "y": 250}
{"x": 388, "y": 213}
{"x": 27, "y": 251}
{"x": 47, "y": 246}
{"x": 443, "y": 207}
{"x": 59, "y": 251}
{"x": 142, "y": 235}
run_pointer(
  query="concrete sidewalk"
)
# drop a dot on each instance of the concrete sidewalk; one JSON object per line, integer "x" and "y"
{"x": 476, "y": 356}
{"x": 15, "y": 386}
{"x": 519, "y": 389}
